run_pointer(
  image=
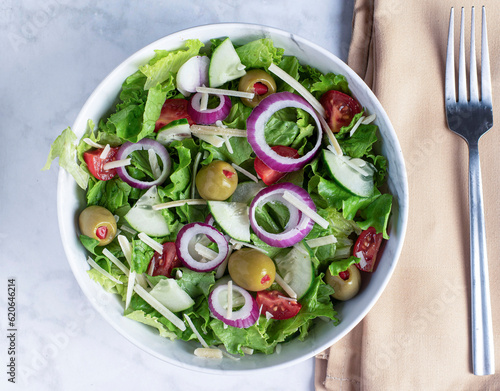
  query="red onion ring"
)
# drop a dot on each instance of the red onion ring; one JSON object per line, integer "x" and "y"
{"x": 256, "y": 123}
{"x": 189, "y": 232}
{"x": 245, "y": 317}
{"x": 208, "y": 116}
{"x": 144, "y": 144}
{"x": 298, "y": 226}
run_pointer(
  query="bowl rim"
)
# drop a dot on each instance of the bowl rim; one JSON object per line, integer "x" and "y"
{"x": 403, "y": 205}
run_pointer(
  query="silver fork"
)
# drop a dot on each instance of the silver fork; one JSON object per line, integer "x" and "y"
{"x": 470, "y": 119}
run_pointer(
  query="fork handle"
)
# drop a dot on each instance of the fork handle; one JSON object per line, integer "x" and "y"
{"x": 483, "y": 359}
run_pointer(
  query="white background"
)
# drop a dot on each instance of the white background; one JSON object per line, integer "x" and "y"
{"x": 52, "y": 55}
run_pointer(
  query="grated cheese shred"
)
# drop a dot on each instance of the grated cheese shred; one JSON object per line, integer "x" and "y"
{"x": 151, "y": 242}
{"x": 102, "y": 271}
{"x": 92, "y": 143}
{"x": 245, "y": 172}
{"x": 288, "y": 196}
{"x": 117, "y": 163}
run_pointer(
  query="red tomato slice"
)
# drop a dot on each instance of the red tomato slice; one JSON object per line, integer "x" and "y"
{"x": 268, "y": 175}
{"x": 162, "y": 265}
{"x": 278, "y": 307}
{"x": 340, "y": 109}
{"x": 172, "y": 110}
{"x": 368, "y": 244}
{"x": 96, "y": 164}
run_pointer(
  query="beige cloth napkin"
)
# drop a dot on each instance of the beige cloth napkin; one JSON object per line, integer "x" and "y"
{"x": 417, "y": 336}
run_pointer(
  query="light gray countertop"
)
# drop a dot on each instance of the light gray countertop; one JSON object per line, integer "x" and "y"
{"x": 54, "y": 53}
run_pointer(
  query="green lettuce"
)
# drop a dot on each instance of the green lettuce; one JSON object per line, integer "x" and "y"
{"x": 259, "y": 53}
{"x": 166, "y": 63}
{"x": 64, "y": 147}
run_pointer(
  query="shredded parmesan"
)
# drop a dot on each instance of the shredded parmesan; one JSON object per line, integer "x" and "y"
{"x": 211, "y": 130}
{"x": 153, "y": 162}
{"x": 208, "y": 353}
{"x": 130, "y": 288}
{"x": 247, "y": 350}
{"x": 102, "y": 271}
{"x": 278, "y": 349}
{"x": 205, "y": 252}
{"x": 228, "y": 144}
{"x": 105, "y": 152}
{"x": 220, "y": 91}
{"x": 288, "y": 298}
{"x": 92, "y": 143}
{"x": 285, "y": 286}
{"x": 333, "y": 140}
{"x": 117, "y": 163}
{"x": 178, "y": 274}
{"x": 356, "y": 126}
{"x": 323, "y": 241}
{"x": 260, "y": 313}
{"x": 151, "y": 242}
{"x": 126, "y": 248}
{"x": 116, "y": 261}
{"x": 160, "y": 307}
{"x": 298, "y": 87}
{"x": 204, "y": 101}
{"x": 245, "y": 172}
{"x": 229, "y": 312}
{"x": 116, "y": 218}
{"x": 288, "y": 196}
{"x": 269, "y": 315}
{"x": 369, "y": 119}
{"x": 198, "y": 335}
{"x": 221, "y": 269}
{"x": 195, "y": 170}
{"x": 236, "y": 242}
{"x": 128, "y": 229}
{"x": 362, "y": 262}
{"x": 356, "y": 167}
{"x": 216, "y": 141}
{"x": 175, "y": 204}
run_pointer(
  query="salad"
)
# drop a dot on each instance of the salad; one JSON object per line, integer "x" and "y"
{"x": 233, "y": 195}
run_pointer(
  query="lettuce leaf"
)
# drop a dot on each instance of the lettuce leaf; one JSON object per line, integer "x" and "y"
{"x": 259, "y": 53}
{"x": 165, "y": 63}
{"x": 64, "y": 147}
{"x": 341, "y": 265}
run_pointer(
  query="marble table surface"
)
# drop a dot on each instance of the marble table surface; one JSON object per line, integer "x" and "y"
{"x": 54, "y": 53}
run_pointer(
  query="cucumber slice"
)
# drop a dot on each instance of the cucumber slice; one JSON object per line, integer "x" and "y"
{"x": 171, "y": 295}
{"x": 246, "y": 191}
{"x": 143, "y": 218}
{"x": 296, "y": 268}
{"x": 225, "y": 65}
{"x": 175, "y": 130}
{"x": 232, "y": 217}
{"x": 358, "y": 181}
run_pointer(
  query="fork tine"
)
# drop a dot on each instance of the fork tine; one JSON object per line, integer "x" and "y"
{"x": 474, "y": 95}
{"x": 462, "y": 78}
{"x": 485, "y": 64}
{"x": 450, "y": 65}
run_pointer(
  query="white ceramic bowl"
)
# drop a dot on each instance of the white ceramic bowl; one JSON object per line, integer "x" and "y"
{"x": 180, "y": 353}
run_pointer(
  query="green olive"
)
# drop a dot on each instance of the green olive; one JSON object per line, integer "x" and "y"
{"x": 251, "y": 269}
{"x": 345, "y": 289}
{"x": 217, "y": 181}
{"x": 98, "y": 223}
{"x": 248, "y": 84}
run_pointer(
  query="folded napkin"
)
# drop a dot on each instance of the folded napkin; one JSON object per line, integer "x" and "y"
{"x": 417, "y": 336}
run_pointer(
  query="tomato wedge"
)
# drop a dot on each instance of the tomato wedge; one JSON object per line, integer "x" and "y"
{"x": 277, "y": 305}
{"x": 162, "y": 265}
{"x": 368, "y": 244}
{"x": 172, "y": 110}
{"x": 96, "y": 164}
{"x": 268, "y": 175}
{"x": 340, "y": 109}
